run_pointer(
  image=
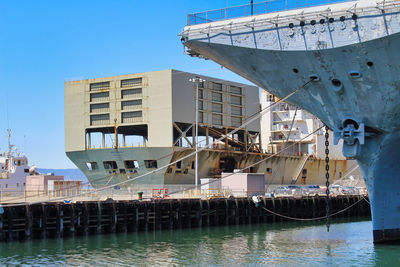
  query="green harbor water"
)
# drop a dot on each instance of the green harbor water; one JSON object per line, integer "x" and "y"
{"x": 349, "y": 243}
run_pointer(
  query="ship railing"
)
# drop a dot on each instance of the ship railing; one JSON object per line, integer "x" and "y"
{"x": 254, "y": 9}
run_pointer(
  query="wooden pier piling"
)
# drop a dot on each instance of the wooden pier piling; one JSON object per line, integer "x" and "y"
{"x": 57, "y": 220}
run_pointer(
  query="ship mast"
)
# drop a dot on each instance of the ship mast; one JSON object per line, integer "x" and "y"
{"x": 9, "y": 149}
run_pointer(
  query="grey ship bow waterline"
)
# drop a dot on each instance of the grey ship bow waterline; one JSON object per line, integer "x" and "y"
{"x": 351, "y": 52}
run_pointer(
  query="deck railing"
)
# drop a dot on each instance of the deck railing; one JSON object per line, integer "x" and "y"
{"x": 254, "y": 9}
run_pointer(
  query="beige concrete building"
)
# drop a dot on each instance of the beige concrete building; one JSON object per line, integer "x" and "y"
{"x": 123, "y": 125}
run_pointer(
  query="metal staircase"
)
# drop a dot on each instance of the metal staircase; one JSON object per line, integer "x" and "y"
{"x": 302, "y": 163}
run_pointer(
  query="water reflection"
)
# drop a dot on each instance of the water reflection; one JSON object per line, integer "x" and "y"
{"x": 289, "y": 244}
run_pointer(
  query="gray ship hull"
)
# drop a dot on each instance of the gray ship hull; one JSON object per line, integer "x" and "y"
{"x": 279, "y": 169}
{"x": 355, "y": 91}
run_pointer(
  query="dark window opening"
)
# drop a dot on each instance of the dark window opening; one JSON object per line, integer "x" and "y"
{"x": 150, "y": 164}
{"x": 179, "y": 164}
{"x": 131, "y": 164}
{"x": 193, "y": 164}
{"x": 92, "y": 166}
{"x": 269, "y": 170}
{"x": 122, "y": 171}
{"x": 304, "y": 173}
{"x": 26, "y": 170}
{"x": 227, "y": 164}
{"x": 110, "y": 165}
{"x": 99, "y": 86}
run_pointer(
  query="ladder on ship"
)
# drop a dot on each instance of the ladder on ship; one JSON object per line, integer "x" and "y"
{"x": 302, "y": 163}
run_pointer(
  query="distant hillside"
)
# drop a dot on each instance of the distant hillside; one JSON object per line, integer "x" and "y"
{"x": 69, "y": 174}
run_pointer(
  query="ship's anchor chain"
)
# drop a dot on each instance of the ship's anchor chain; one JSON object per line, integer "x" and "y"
{"x": 327, "y": 177}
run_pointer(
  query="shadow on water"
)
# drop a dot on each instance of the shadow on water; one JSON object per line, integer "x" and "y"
{"x": 349, "y": 242}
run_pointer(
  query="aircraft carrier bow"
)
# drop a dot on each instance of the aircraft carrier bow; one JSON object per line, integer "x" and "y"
{"x": 349, "y": 50}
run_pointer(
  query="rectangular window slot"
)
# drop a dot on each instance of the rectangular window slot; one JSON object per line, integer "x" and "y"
{"x": 217, "y": 97}
{"x": 99, "y": 86}
{"x": 150, "y": 164}
{"x": 131, "y": 116}
{"x": 179, "y": 165}
{"x": 131, "y": 82}
{"x": 131, "y": 164}
{"x": 92, "y": 166}
{"x": 235, "y": 90}
{"x": 97, "y": 97}
{"x": 122, "y": 171}
{"x": 216, "y": 119}
{"x": 201, "y": 107}
{"x": 100, "y": 119}
{"x": 129, "y": 93}
{"x": 110, "y": 165}
{"x": 236, "y": 121}
{"x": 102, "y": 107}
{"x": 236, "y": 110}
{"x": 217, "y": 86}
{"x": 131, "y": 104}
{"x": 201, "y": 94}
{"x": 216, "y": 107}
{"x": 236, "y": 100}
{"x": 201, "y": 117}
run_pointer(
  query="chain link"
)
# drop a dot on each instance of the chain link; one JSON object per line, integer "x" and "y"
{"x": 327, "y": 177}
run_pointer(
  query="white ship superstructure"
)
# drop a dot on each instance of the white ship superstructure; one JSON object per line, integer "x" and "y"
{"x": 13, "y": 168}
{"x": 287, "y": 127}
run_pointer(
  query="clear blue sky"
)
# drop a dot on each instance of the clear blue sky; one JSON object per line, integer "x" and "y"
{"x": 44, "y": 43}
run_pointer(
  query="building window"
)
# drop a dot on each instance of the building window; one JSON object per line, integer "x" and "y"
{"x": 129, "y": 93}
{"x": 102, "y": 107}
{"x": 99, "y": 119}
{"x": 236, "y": 121}
{"x": 131, "y": 104}
{"x": 201, "y": 94}
{"x": 236, "y": 100}
{"x": 201, "y": 106}
{"x": 201, "y": 84}
{"x": 236, "y": 110}
{"x": 110, "y": 165}
{"x": 217, "y": 97}
{"x": 150, "y": 164}
{"x": 236, "y": 90}
{"x": 216, "y": 119}
{"x": 217, "y": 86}
{"x": 99, "y": 86}
{"x": 201, "y": 117}
{"x": 96, "y": 97}
{"x": 179, "y": 164}
{"x": 131, "y": 116}
{"x": 270, "y": 98}
{"x": 131, "y": 82}
{"x": 92, "y": 166}
{"x": 26, "y": 170}
{"x": 216, "y": 107}
{"x": 131, "y": 164}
